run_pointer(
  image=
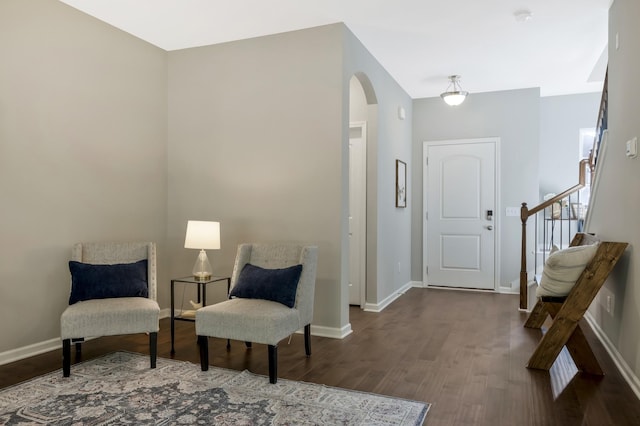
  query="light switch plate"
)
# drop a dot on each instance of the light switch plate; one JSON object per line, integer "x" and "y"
{"x": 513, "y": 211}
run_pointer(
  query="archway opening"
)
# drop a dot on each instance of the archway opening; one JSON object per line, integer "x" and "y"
{"x": 363, "y": 116}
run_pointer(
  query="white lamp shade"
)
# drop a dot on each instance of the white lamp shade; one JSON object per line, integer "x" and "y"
{"x": 202, "y": 235}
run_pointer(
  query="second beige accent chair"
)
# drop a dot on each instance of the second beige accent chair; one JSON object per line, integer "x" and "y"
{"x": 265, "y": 305}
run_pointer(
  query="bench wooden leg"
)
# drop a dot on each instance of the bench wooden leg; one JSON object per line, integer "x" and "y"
{"x": 538, "y": 316}
{"x": 551, "y": 344}
{"x": 582, "y": 354}
{"x": 564, "y": 332}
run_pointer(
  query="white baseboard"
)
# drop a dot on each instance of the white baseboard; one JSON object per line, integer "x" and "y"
{"x": 628, "y": 374}
{"x": 417, "y": 284}
{"x": 30, "y": 350}
{"x": 378, "y": 307}
{"x": 332, "y": 332}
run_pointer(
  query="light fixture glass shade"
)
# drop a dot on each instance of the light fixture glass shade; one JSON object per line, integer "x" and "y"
{"x": 454, "y": 95}
{"x": 454, "y": 98}
{"x": 202, "y": 235}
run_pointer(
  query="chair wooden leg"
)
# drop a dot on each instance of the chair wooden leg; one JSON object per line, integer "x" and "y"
{"x": 153, "y": 348}
{"x": 66, "y": 357}
{"x": 78, "y": 344}
{"x": 273, "y": 363}
{"x": 203, "y": 344}
{"x": 307, "y": 339}
{"x": 537, "y": 316}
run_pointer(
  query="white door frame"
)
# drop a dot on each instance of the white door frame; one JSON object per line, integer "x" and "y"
{"x": 362, "y": 212}
{"x": 496, "y": 215}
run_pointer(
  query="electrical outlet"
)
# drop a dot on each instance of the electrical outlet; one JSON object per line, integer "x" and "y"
{"x": 632, "y": 148}
{"x": 607, "y": 300}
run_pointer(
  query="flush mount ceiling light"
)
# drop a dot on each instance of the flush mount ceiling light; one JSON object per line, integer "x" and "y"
{"x": 454, "y": 95}
{"x": 523, "y": 15}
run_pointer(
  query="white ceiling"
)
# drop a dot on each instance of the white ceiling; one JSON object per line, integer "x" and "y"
{"x": 562, "y": 49}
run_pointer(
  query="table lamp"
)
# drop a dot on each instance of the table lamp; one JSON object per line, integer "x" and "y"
{"x": 202, "y": 235}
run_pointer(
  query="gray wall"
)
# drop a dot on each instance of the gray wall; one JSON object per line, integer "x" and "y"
{"x": 258, "y": 139}
{"x": 561, "y": 118}
{"x": 614, "y": 212}
{"x": 513, "y": 116}
{"x": 105, "y": 137}
{"x": 255, "y": 142}
{"x": 83, "y": 111}
{"x": 388, "y": 228}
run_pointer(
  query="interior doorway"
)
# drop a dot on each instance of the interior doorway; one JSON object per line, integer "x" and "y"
{"x": 360, "y": 238}
{"x": 357, "y": 212}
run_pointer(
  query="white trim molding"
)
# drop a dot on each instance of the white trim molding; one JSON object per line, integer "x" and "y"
{"x": 627, "y": 373}
{"x": 379, "y": 307}
{"x": 332, "y": 332}
{"x": 30, "y": 350}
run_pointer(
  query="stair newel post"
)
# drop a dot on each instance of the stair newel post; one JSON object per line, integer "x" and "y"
{"x": 524, "y": 216}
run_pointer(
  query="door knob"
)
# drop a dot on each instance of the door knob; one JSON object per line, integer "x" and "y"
{"x": 489, "y": 227}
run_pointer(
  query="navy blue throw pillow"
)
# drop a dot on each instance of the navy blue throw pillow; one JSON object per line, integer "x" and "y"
{"x": 90, "y": 281}
{"x": 277, "y": 285}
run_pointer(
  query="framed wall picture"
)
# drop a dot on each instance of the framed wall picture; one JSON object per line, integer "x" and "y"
{"x": 401, "y": 184}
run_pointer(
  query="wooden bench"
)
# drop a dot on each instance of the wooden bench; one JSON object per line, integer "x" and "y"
{"x": 567, "y": 311}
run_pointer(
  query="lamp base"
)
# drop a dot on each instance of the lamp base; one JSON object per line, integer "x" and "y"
{"x": 202, "y": 269}
{"x": 202, "y": 277}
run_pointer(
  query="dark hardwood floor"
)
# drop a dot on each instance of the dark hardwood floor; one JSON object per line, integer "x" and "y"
{"x": 464, "y": 352}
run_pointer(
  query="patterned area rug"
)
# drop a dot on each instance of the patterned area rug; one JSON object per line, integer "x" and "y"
{"x": 121, "y": 389}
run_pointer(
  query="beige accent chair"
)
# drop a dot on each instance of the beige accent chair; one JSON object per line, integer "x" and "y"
{"x": 117, "y": 315}
{"x": 262, "y": 321}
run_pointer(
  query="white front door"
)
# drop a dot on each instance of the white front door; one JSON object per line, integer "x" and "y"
{"x": 460, "y": 213}
{"x": 357, "y": 212}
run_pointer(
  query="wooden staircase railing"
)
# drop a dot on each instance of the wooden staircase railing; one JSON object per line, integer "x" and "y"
{"x": 526, "y": 213}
